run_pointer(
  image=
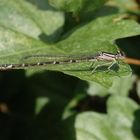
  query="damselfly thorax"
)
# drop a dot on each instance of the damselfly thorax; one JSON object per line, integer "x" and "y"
{"x": 110, "y": 56}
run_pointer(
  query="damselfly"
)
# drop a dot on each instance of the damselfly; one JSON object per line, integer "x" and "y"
{"x": 57, "y": 60}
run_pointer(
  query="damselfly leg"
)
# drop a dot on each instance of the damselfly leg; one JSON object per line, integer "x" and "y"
{"x": 106, "y": 67}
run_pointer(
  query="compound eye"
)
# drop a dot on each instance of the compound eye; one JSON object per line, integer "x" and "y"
{"x": 120, "y": 54}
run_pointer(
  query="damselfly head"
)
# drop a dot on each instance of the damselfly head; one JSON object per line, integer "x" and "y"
{"x": 120, "y": 55}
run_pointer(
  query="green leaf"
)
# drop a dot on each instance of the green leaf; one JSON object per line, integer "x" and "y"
{"x": 121, "y": 121}
{"x": 32, "y": 18}
{"x": 128, "y": 5}
{"x": 99, "y": 35}
{"x": 77, "y": 6}
{"x": 88, "y": 39}
{"x": 96, "y": 89}
{"x": 40, "y": 103}
{"x": 93, "y": 126}
{"x": 138, "y": 88}
{"x": 123, "y": 117}
{"x": 122, "y": 85}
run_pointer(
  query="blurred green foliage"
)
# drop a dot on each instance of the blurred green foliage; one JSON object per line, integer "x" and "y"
{"x": 67, "y": 101}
